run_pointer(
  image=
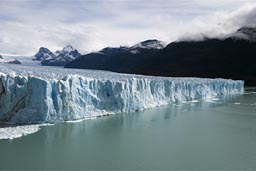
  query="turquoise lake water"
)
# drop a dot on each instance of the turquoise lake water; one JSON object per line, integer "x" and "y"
{"x": 217, "y": 134}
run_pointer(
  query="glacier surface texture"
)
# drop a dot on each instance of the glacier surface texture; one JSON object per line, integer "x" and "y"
{"x": 51, "y": 94}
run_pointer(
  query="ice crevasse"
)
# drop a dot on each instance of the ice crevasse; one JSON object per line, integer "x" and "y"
{"x": 43, "y": 94}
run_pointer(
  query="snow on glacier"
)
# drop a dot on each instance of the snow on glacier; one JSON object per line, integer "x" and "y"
{"x": 50, "y": 94}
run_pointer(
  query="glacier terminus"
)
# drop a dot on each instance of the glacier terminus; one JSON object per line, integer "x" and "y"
{"x": 53, "y": 94}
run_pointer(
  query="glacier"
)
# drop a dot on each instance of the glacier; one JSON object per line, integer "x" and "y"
{"x": 30, "y": 95}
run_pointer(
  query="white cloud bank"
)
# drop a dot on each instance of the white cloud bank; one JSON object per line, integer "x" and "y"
{"x": 91, "y": 25}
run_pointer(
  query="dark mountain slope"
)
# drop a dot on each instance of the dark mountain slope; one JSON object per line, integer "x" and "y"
{"x": 119, "y": 61}
{"x": 122, "y": 59}
{"x": 233, "y": 57}
{"x": 212, "y": 58}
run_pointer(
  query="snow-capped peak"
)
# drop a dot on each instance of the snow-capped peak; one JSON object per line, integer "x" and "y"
{"x": 248, "y": 33}
{"x": 44, "y": 50}
{"x": 43, "y": 54}
{"x": 68, "y": 48}
{"x": 59, "y": 58}
{"x": 150, "y": 44}
{"x": 136, "y": 49}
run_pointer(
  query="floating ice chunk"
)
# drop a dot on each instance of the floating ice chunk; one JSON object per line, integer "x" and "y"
{"x": 215, "y": 99}
{"x": 212, "y": 101}
{"x": 17, "y": 131}
{"x": 76, "y": 121}
{"x": 194, "y": 101}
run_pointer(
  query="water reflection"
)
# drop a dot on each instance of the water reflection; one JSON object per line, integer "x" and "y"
{"x": 116, "y": 123}
{"x": 214, "y": 134}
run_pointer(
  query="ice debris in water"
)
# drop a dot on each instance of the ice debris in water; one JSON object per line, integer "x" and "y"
{"x": 17, "y": 131}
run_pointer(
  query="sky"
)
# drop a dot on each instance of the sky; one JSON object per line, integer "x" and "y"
{"x": 90, "y": 25}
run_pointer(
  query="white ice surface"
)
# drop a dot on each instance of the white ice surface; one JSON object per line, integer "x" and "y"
{"x": 17, "y": 131}
{"x": 47, "y": 94}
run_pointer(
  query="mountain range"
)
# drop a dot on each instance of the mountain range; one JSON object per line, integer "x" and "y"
{"x": 231, "y": 57}
{"x": 120, "y": 59}
{"x": 58, "y": 58}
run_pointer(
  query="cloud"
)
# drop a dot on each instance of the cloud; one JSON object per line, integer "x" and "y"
{"x": 91, "y": 25}
{"x": 221, "y": 23}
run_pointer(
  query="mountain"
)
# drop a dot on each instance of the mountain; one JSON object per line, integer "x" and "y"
{"x": 247, "y": 33}
{"x": 44, "y": 54}
{"x": 150, "y": 44}
{"x": 120, "y": 59}
{"x": 232, "y": 57}
{"x": 15, "y": 61}
{"x": 9, "y": 60}
{"x": 59, "y": 58}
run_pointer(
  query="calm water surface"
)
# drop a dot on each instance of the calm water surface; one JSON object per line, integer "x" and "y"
{"x": 205, "y": 135}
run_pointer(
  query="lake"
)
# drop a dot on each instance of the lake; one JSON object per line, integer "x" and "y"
{"x": 215, "y": 134}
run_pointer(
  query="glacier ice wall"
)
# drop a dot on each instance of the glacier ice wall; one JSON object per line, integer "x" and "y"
{"x": 39, "y": 95}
